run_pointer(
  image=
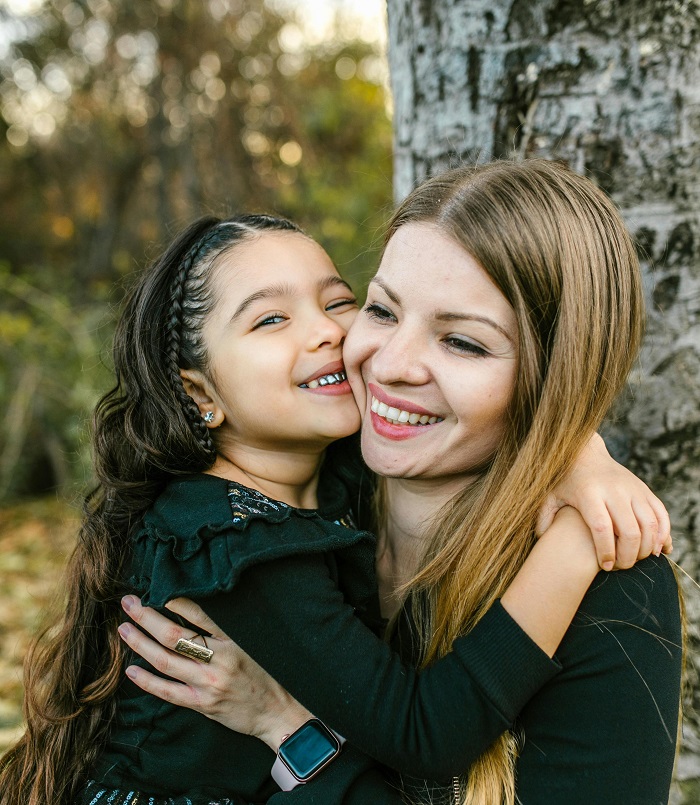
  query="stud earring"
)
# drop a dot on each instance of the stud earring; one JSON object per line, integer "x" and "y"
{"x": 209, "y": 417}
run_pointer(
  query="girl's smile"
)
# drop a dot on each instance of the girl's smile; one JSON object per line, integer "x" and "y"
{"x": 276, "y": 379}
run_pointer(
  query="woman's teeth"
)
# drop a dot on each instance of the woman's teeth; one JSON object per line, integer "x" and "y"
{"x": 398, "y": 417}
{"x": 326, "y": 380}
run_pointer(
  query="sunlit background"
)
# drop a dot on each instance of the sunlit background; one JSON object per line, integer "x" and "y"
{"x": 121, "y": 121}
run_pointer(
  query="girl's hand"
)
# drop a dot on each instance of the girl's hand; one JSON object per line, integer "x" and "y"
{"x": 231, "y": 689}
{"x": 628, "y": 522}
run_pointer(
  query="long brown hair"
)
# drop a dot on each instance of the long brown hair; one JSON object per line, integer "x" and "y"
{"x": 558, "y": 250}
{"x": 146, "y": 430}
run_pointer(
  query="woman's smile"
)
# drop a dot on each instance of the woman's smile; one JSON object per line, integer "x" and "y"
{"x": 431, "y": 359}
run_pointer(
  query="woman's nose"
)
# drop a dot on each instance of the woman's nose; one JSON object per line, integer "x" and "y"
{"x": 401, "y": 357}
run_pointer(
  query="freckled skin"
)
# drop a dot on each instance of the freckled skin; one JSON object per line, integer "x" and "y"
{"x": 460, "y": 366}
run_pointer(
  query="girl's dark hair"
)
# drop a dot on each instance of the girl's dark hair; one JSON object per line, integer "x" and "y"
{"x": 146, "y": 430}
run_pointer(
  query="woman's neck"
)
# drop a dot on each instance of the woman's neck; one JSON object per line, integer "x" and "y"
{"x": 287, "y": 476}
{"x": 409, "y": 506}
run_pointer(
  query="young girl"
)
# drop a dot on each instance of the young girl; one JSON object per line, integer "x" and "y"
{"x": 215, "y": 482}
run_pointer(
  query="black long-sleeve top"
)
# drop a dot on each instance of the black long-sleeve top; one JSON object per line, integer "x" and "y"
{"x": 293, "y": 588}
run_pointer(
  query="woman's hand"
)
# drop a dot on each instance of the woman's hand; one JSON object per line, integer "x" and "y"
{"x": 628, "y": 522}
{"x": 231, "y": 689}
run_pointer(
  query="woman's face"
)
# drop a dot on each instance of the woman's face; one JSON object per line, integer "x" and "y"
{"x": 431, "y": 359}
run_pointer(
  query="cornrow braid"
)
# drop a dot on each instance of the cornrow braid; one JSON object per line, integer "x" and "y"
{"x": 174, "y": 324}
{"x": 191, "y": 299}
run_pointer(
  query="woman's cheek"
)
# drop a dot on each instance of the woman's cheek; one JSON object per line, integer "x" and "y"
{"x": 356, "y": 350}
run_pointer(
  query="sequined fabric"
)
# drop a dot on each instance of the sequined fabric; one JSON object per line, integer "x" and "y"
{"x": 95, "y": 794}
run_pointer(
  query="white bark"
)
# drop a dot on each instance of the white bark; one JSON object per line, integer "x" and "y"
{"x": 613, "y": 89}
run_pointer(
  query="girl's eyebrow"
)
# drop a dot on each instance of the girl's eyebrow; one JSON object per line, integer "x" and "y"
{"x": 446, "y": 315}
{"x": 284, "y": 289}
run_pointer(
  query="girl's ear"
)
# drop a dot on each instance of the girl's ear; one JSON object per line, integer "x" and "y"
{"x": 202, "y": 392}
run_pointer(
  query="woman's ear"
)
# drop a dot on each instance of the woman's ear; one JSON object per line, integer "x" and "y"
{"x": 200, "y": 389}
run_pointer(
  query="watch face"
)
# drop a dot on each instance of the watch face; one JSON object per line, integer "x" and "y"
{"x": 308, "y": 749}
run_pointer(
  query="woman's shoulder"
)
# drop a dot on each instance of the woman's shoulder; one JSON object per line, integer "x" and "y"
{"x": 203, "y": 532}
{"x": 635, "y": 610}
{"x": 642, "y": 593}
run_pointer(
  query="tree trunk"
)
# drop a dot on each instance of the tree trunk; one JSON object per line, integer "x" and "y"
{"x": 613, "y": 89}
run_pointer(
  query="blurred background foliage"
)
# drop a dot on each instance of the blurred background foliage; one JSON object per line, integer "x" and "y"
{"x": 123, "y": 120}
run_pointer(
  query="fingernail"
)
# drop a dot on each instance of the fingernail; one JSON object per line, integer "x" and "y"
{"x": 128, "y": 602}
{"x": 123, "y": 630}
{"x": 657, "y": 550}
{"x": 608, "y": 565}
{"x": 131, "y": 672}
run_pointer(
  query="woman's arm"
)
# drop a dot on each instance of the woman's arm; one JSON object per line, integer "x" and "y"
{"x": 434, "y": 723}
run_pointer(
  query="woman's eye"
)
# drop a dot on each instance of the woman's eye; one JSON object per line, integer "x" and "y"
{"x": 340, "y": 303}
{"x": 379, "y": 313}
{"x": 464, "y": 346}
{"x": 272, "y": 318}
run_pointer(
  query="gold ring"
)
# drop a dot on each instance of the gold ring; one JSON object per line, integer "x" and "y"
{"x": 191, "y": 649}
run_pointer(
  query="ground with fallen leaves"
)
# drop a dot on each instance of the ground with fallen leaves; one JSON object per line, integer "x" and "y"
{"x": 35, "y": 540}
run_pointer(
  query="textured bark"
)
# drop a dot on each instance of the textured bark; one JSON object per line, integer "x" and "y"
{"x": 613, "y": 88}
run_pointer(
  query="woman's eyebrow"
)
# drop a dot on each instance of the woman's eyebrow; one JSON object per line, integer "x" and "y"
{"x": 447, "y": 316}
{"x": 284, "y": 289}
{"x": 387, "y": 290}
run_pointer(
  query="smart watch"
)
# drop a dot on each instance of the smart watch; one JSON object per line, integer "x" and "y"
{"x": 304, "y": 753}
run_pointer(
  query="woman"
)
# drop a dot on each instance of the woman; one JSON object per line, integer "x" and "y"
{"x": 508, "y": 305}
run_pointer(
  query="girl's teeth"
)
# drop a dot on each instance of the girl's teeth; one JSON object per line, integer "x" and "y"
{"x": 326, "y": 380}
{"x": 396, "y": 416}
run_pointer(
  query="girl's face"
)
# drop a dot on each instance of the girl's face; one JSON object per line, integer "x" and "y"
{"x": 274, "y": 342}
{"x": 436, "y": 343}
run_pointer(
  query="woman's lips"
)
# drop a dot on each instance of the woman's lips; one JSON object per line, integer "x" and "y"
{"x": 398, "y": 419}
{"x": 397, "y": 432}
{"x": 396, "y": 402}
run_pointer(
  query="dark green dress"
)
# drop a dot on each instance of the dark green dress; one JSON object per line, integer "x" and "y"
{"x": 296, "y": 589}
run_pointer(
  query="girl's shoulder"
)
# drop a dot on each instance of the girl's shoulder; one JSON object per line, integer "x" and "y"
{"x": 203, "y": 532}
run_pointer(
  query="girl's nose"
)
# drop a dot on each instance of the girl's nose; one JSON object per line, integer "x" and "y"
{"x": 326, "y": 331}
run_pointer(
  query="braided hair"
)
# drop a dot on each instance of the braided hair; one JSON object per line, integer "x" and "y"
{"x": 146, "y": 431}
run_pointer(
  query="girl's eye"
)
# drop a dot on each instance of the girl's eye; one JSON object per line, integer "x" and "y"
{"x": 271, "y": 318}
{"x": 339, "y": 303}
{"x": 379, "y": 313}
{"x": 465, "y": 347}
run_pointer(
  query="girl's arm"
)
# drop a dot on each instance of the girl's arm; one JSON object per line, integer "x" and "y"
{"x": 432, "y": 724}
{"x": 627, "y": 520}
